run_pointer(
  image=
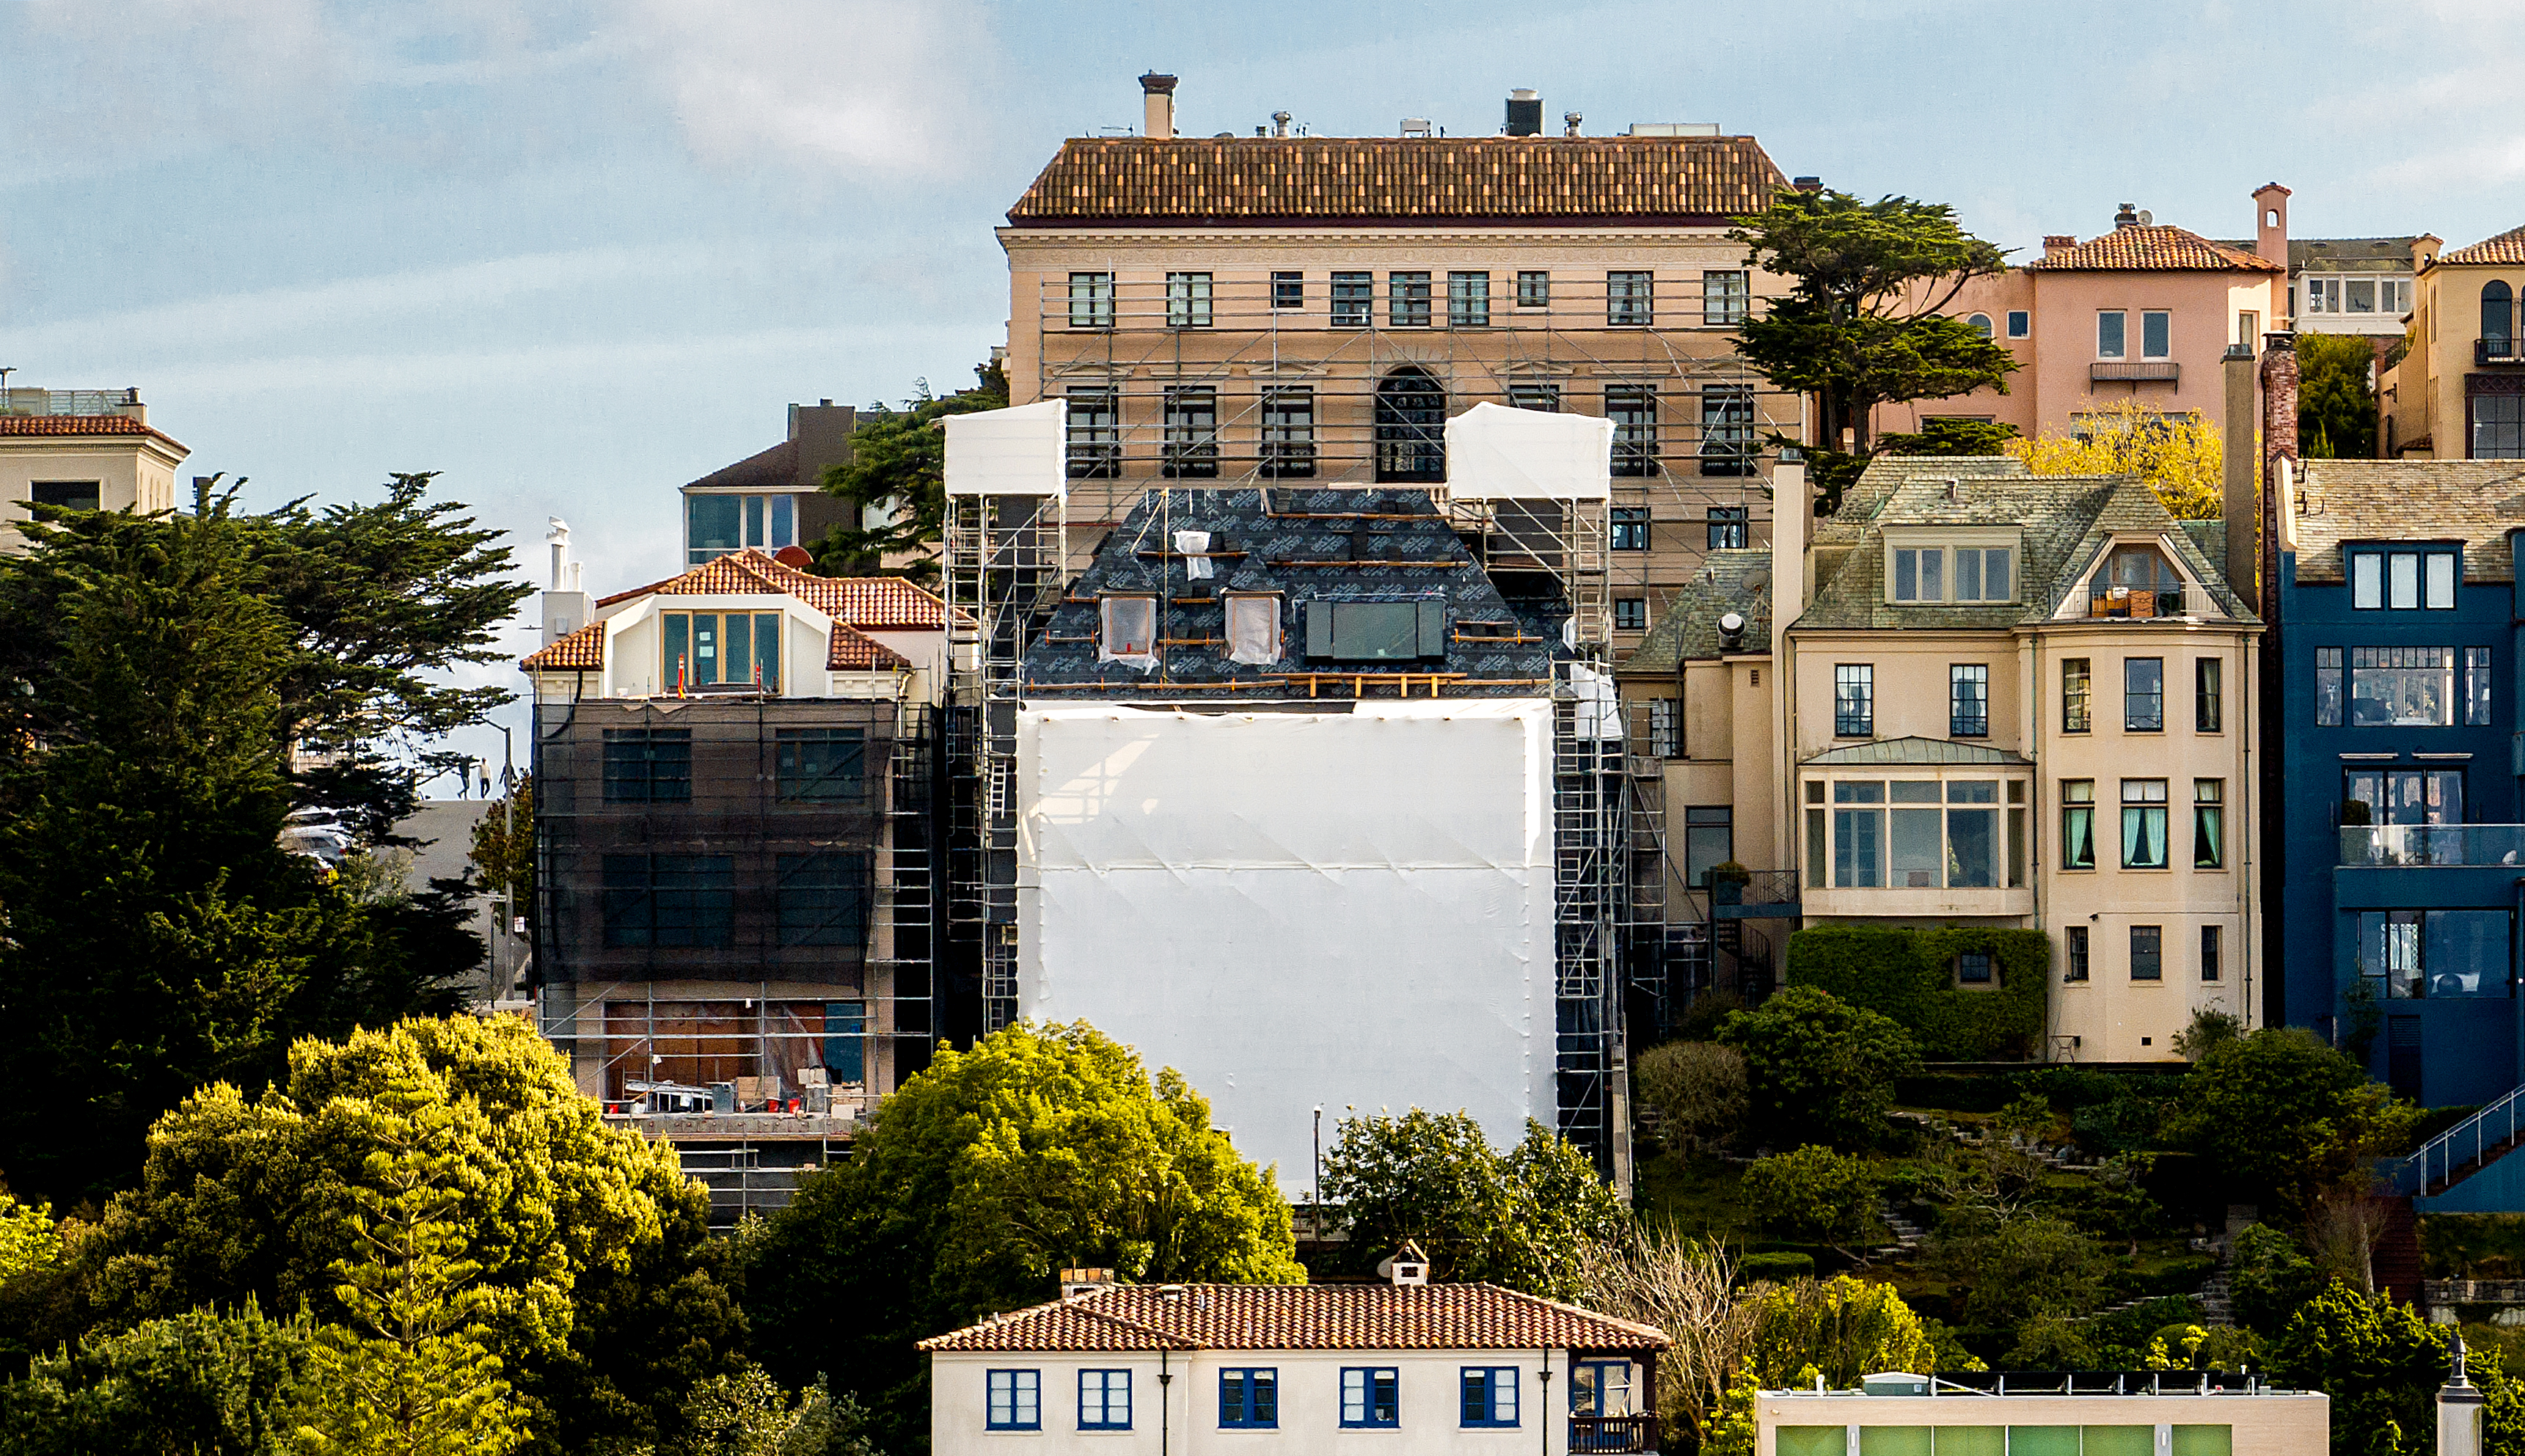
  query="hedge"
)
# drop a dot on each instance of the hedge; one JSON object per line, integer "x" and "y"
{"x": 1910, "y": 976}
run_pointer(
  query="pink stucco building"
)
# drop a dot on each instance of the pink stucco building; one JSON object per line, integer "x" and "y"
{"x": 2141, "y": 312}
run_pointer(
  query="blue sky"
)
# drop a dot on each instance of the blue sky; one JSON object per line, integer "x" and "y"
{"x": 575, "y": 255}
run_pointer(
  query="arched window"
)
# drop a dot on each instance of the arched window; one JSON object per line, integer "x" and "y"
{"x": 2496, "y": 318}
{"x": 1980, "y": 324}
{"x": 1411, "y": 427}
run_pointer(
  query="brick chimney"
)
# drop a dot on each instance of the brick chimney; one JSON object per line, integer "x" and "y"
{"x": 2058, "y": 242}
{"x": 1158, "y": 103}
{"x": 2240, "y": 504}
{"x": 2279, "y": 461}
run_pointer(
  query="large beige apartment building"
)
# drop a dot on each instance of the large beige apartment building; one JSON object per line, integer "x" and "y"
{"x": 92, "y": 449}
{"x": 1277, "y": 307}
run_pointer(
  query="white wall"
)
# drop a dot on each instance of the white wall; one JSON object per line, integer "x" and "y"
{"x": 1345, "y": 909}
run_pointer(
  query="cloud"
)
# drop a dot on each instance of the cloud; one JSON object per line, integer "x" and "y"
{"x": 847, "y": 87}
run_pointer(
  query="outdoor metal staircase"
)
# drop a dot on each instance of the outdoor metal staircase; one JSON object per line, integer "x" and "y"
{"x": 2461, "y": 1150}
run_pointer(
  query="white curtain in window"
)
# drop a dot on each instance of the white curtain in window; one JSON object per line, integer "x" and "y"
{"x": 1253, "y": 630}
{"x": 1128, "y": 632}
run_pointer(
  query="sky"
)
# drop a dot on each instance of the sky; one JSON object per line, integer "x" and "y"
{"x": 573, "y": 256}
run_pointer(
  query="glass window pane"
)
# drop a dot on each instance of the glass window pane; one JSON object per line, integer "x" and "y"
{"x": 2205, "y": 1440}
{"x": 1972, "y": 849}
{"x": 1996, "y": 576}
{"x": 1933, "y": 586}
{"x": 2144, "y": 695}
{"x": 2156, "y": 335}
{"x": 738, "y": 651}
{"x": 2118, "y": 1441}
{"x": 1858, "y": 845}
{"x": 2042, "y": 1441}
{"x": 1894, "y": 1440}
{"x": 2465, "y": 952}
{"x": 714, "y": 526}
{"x": 1971, "y": 1440}
{"x": 754, "y": 520}
{"x": 2440, "y": 580}
{"x": 1916, "y": 856}
{"x": 2366, "y": 579}
{"x": 2363, "y": 295}
{"x": 1822, "y": 1440}
{"x": 2108, "y": 334}
{"x": 1907, "y": 575}
{"x": 2403, "y": 580}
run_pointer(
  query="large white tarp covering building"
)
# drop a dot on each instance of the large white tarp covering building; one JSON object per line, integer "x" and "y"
{"x": 1349, "y": 908}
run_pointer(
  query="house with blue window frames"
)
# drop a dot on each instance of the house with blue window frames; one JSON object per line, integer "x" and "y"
{"x": 1397, "y": 1368}
{"x": 2402, "y": 831}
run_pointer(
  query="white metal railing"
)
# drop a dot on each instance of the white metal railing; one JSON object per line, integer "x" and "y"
{"x": 2492, "y": 1129}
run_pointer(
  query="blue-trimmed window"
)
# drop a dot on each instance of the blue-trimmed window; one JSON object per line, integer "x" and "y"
{"x": 1016, "y": 1400}
{"x": 1248, "y": 1399}
{"x": 1369, "y": 1398}
{"x": 1490, "y": 1394}
{"x": 1103, "y": 1400}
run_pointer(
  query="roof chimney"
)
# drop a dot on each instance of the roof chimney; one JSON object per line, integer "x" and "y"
{"x": 1281, "y": 124}
{"x": 1809, "y": 184}
{"x": 2128, "y": 217}
{"x": 1524, "y": 112}
{"x": 1408, "y": 1266}
{"x": 1158, "y": 103}
{"x": 1077, "y": 1282}
{"x": 2058, "y": 242}
{"x": 1569, "y": 123}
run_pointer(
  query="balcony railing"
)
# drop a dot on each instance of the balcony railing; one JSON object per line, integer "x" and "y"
{"x": 2135, "y": 372}
{"x": 2497, "y": 351}
{"x": 2434, "y": 846}
{"x": 2135, "y": 603}
{"x": 1613, "y": 1433}
{"x": 1761, "y": 887}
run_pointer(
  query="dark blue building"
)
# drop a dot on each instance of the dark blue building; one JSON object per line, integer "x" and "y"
{"x": 2402, "y": 840}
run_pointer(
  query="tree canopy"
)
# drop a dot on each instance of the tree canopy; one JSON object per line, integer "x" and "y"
{"x": 2286, "y": 1117}
{"x": 2181, "y": 456}
{"x": 897, "y": 475}
{"x": 2336, "y": 398}
{"x": 1820, "y": 1070}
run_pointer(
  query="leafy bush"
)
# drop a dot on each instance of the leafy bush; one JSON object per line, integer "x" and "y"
{"x": 1777, "y": 1268}
{"x": 1708, "y": 1012}
{"x": 1697, "y": 1091}
{"x": 1910, "y": 976}
{"x": 2279, "y": 1114}
{"x": 200, "y": 1381}
{"x": 2270, "y": 1279}
{"x": 2473, "y": 1245}
{"x": 2381, "y": 1363}
{"x": 1815, "y": 1195}
{"x": 1819, "y": 1070}
{"x": 2033, "y": 1266}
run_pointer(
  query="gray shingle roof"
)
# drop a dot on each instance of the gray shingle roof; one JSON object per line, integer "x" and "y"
{"x": 1738, "y": 581}
{"x": 2477, "y": 501}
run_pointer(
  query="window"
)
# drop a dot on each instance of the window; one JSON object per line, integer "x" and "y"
{"x": 1490, "y": 1395}
{"x": 2077, "y": 696}
{"x": 2402, "y": 580}
{"x": 1630, "y": 528}
{"x": 2020, "y": 323}
{"x": 2208, "y": 823}
{"x": 2327, "y": 687}
{"x": 1016, "y": 1400}
{"x": 1628, "y": 299}
{"x": 2366, "y": 580}
{"x": 2076, "y": 969}
{"x": 1407, "y": 300}
{"x": 2249, "y": 327}
{"x": 1127, "y": 630}
{"x": 2144, "y": 824}
{"x": 1854, "y": 700}
{"x": 2108, "y": 334}
{"x": 2416, "y": 954}
{"x": 1103, "y": 1400}
{"x": 1858, "y": 835}
{"x": 2208, "y": 700}
{"x": 704, "y": 648}
{"x": 1534, "y": 290}
{"x": 2077, "y": 823}
{"x": 715, "y": 525}
{"x": 1819, "y": 838}
{"x": 2476, "y": 687}
{"x": 1248, "y": 1399}
{"x": 1288, "y": 290}
{"x": 1468, "y": 300}
{"x": 2402, "y": 796}
{"x": 1630, "y": 613}
{"x": 1353, "y": 296}
{"x": 2497, "y": 317}
{"x": 1192, "y": 435}
{"x": 1544, "y": 397}
{"x": 1254, "y": 629}
{"x": 1410, "y": 425}
{"x": 2498, "y": 426}
{"x": 1666, "y": 727}
{"x": 1368, "y": 1396}
{"x": 2144, "y": 695}
{"x": 2208, "y": 953}
{"x": 2136, "y": 581}
{"x": 1968, "y": 700}
{"x": 648, "y": 765}
{"x": 89, "y": 494}
{"x": 1972, "y": 968}
{"x": 820, "y": 765}
{"x": 1288, "y": 434}
{"x": 2402, "y": 686}
{"x": 2440, "y": 584}
{"x": 1095, "y": 434}
{"x": 2017, "y": 846}
{"x": 1727, "y": 430}
{"x": 1923, "y": 574}
{"x": 1632, "y": 407}
{"x": 1376, "y": 631}
{"x": 1708, "y": 840}
{"x": 1188, "y": 300}
{"x": 823, "y": 899}
{"x": 1730, "y": 527}
{"x": 2156, "y": 334}
{"x": 1915, "y": 834}
{"x": 1979, "y": 323}
{"x": 2148, "y": 953}
{"x": 670, "y": 900}
{"x": 1091, "y": 300}
{"x": 1724, "y": 294}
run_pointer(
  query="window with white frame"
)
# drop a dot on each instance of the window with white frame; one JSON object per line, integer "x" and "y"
{"x": 1929, "y": 575}
{"x": 1919, "y": 834}
{"x": 2412, "y": 579}
{"x": 1091, "y": 300}
{"x": 2020, "y": 323}
{"x": 1724, "y": 294}
{"x": 2345, "y": 294}
{"x": 1188, "y": 300}
{"x": 2110, "y": 342}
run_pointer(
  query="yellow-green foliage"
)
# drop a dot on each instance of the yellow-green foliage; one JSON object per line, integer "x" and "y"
{"x": 2179, "y": 456}
{"x": 29, "y": 1240}
{"x": 1908, "y": 975}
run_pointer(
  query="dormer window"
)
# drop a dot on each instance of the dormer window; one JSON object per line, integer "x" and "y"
{"x": 2136, "y": 582}
{"x": 1254, "y": 629}
{"x": 2402, "y": 580}
{"x": 720, "y": 649}
{"x": 1938, "y": 575}
{"x": 1129, "y": 631}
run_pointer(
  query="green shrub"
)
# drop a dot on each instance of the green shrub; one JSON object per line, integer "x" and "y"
{"x": 1778, "y": 1268}
{"x": 2473, "y": 1245}
{"x": 1819, "y": 1070}
{"x": 1910, "y": 975}
{"x": 2272, "y": 1277}
{"x": 1815, "y": 1195}
{"x": 2033, "y": 1266}
{"x": 1697, "y": 1090}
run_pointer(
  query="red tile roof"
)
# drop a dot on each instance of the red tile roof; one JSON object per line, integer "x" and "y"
{"x": 2506, "y": 248}
{"x": 1302, "y": 1317}
{"x": 1368, "y": 178}
{"x": 2160, "y": 248}
{"x": 853, "y": 652}
{"x": 82, "y": 425}
{"x": 880, "y": 604}
{"x": 583, "y": 650}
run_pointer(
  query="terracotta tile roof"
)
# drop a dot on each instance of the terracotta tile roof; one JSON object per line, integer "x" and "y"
{"x": 1349, "y": 180}
{"x": 81, "y": 424}
{"x": 868, "y": 602}
{"x": 2159, "y": 248}
{"x": 583, "y": 649}
{"x": 2475, "y": 502}
{"x": 855, "y": 652}
{"x": 2506, "y": 248}
{"x": 1302, "y": 1317}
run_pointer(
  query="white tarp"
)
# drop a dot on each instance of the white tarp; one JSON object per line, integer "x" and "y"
{"x": 1498, "y": 454}
{"x": 1008, "y": 451}
{"x": 1350, "y": 910}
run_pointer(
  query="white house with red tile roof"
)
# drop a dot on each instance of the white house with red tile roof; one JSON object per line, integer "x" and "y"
{"x": 93, "y": 449}
{"x": 1388, "y": 1369}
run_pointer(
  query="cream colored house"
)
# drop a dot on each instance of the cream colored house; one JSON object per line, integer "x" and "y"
{"x": 1280, "y": 307}
{"x": 2458, "y": 392}
{"x": 93, "y": 449}
{"x": 2177, "y": 1413}
{"x": 2004, "y": 700}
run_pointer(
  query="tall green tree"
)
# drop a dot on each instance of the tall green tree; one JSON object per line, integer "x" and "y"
{"x": 200, "y": 1381}
{"x": 1525, "y": 1218}
{"x": 2382, "y": 1364}
{"x": 897, "y": 477}
{"x": 1864, "y": 320}
{"x": 2336, "y": 396}
{"x": 2282, "y": 1116}
{"x": 1821, "y": 1070}
{"x": 1041, "y": 1149}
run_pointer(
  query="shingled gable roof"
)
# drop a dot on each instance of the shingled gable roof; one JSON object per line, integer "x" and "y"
{"x": 2160, "y": 248}
{"x": 2475, "y": 502}
{"x": 871, "y": 604}
{"x": 2066, "y": 520}
{"x": 776, "y": 466}
{"x": 2506, "y": 248}
{"x": 1302, "y": 1317}
{"x": 1729, "y": 580}
{"x": 1132, "y": 180}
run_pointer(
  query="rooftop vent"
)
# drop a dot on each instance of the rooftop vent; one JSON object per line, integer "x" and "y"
{"x": 2128, "y": 217}
{"x": 1524, "y": 112}
{"x": 1416, "y": 127}
{"x": 1408, "y": 1266}
{"x": 1569, "y": 123}
{"x": 1281, "y": 124}
{"x": 1731, "y": 630}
